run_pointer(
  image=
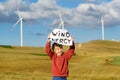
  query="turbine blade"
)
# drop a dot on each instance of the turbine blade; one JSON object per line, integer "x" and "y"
{"x": 15, "y": 25}
{"x": 53, "y": 24}
{"x": 18, "y": 13}
{"x": 59, "y": 25}
{"x": 61, "y": 20}
{"x": 67, "y": 23}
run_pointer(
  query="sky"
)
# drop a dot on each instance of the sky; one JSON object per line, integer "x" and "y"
{"x": 82, "y": 20}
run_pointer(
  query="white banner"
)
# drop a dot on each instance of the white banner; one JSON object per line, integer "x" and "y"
{"x": 61, "y": 36}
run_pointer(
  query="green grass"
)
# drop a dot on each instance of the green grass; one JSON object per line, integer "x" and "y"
{"x": 94, "y": 60}
{"x": 115, "y": 61}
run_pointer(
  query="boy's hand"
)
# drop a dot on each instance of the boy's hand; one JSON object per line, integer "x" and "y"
{"x": 72, "y": 39}
{"x": 48, "y": 39}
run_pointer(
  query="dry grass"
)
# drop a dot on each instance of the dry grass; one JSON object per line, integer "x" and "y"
{"x": 91, "y": 62}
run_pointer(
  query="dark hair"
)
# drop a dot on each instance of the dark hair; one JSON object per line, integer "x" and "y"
{"x": 56, "y": 44}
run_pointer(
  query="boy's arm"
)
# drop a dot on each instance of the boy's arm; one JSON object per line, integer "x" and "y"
{"x": 70, "y": 51}
{"x": 48, "y": 49}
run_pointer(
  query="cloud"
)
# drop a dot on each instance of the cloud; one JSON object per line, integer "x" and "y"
{"x": 113, "y": 17}
{"x": 86, "y": 14}
{"x": 40, "y": 9}
{"x": 97, "y": 1}
{"x": 89, "y": 14}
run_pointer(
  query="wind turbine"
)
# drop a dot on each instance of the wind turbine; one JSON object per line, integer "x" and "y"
{"x": 20, "y": 20}
{"x": 61, "y": 22}
{"x": 102, "y": 22}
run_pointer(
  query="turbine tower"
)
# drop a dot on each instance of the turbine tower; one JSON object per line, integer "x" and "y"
{"x": 102, "y": 22}
{"x": 20, "y": 20}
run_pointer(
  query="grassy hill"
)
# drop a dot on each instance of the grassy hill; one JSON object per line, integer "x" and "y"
{"x": 94, "y": 60}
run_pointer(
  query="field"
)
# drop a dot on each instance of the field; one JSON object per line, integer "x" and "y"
{"x": 94, "y": 60}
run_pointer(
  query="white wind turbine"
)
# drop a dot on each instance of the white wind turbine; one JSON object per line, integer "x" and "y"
{"x": 102, "y": 22}
{"x": 61, "y": 22}
{"x": 20, "y": 20}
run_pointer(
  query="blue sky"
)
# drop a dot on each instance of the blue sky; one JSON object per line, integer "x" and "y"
{"x": 83, "y": 18}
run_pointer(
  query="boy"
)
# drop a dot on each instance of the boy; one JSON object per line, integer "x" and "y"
{"x": 59, "y": 59}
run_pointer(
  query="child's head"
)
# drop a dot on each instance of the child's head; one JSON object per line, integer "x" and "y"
{"x": 57, "y": 49}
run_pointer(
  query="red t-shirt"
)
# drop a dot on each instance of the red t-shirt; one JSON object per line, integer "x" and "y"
{"x": 60, "y": 63}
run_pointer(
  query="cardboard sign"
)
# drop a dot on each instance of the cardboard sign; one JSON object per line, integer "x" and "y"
{"x": 61, "y": 36}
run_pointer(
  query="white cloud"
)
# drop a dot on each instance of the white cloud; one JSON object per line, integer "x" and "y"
{"x": 85, "y": 14}
{"x": 89, "y": 14}
{"x": 113, "y": 16}
{"x": 90, "y": 0}
{"x": 40, "y": 9}
{"x": 1, "y": 7}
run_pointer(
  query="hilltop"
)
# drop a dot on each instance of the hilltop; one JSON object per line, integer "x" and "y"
{"x": 98, "y": 46}
{"x": 91, "y": 47}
